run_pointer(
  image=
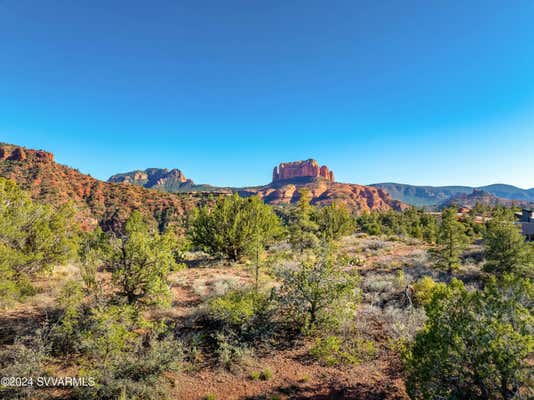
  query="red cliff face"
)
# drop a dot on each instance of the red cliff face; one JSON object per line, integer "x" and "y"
{"x": 285, "y": 189}
{"x": 300, "y": 169}
{"x": 14, "y": 153}
{"x": 358, "y": 198}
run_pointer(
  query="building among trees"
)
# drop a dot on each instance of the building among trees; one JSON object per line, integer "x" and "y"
{"x": 527, "y": 223}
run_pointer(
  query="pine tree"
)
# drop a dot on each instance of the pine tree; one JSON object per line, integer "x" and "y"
{"x": 451, "y": 241}
{"x": 505, "y": 248}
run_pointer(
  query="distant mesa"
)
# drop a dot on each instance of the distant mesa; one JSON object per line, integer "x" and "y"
{"x": 165, "y": 180}
{"x": 301, "y": 169}
{"x": 289, "y": 178}
{"x": 155, "y": 178}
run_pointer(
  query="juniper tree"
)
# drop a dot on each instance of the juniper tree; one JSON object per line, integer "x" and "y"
{"x": 302, "y": 227}
{"x": 140, "y": 261}
{"x": 334, "y": 221}
{"x": 474, "y": 344}
{"x": 234, "y": 227}
{"x": 318, "y": 289}
{"x": 33, "y": 238}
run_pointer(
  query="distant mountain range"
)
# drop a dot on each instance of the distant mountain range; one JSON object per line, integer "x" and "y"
{"x": 109, "y": 203}
{"x": 437, "y": 195}
{"x": 288, "y": 179}
{"x": 478, "y": 196}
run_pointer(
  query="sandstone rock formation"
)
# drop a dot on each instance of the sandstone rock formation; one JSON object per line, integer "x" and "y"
{"x": 301, "y": 169}
{"x": 358, "y": 198}
{"x": 156, "y": 178}
{"x": 172, "y": 181}
{"x": 289, "y": 178}
{"x": 15, "y": 153}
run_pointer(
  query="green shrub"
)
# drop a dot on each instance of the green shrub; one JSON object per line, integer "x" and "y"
{"x": 505, "y": 249}
{"x": 353, "y": 261}
{"x": 255, "y": 375}
{"x": 25, "y": 358}
{"x": 302, "y": 227}
{"x": 236, "y": 307}
{"x": 357, "y": 350}
{"x": 327, "y": 350}
{"x": 136, "y": 373}
{"x": 319, "y": 292}
{"x": 33, "y": 239}
{"x": 234, "y": 226}
{"x": 245, "y": 312}
{"x": 334, "y": 221}
{"x": 140, "y": 262}
{"x": 66, "y": 335}
{"x": 424, "y": 289}
{"x": 334, "y": 350}
{"x": 475, "y": 344}
{"x": 231, "y": 354}
{"x": 266, "y": 374}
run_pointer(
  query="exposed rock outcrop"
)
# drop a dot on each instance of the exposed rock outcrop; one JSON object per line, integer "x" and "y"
{"x": 358, "y": 198}
{"x": 301, "y": 169}
{"x": 173, "y": 181}
{"x": 155, "y": 178}
{"x": 16, "y": 153}
{"x": 290, "y": 178}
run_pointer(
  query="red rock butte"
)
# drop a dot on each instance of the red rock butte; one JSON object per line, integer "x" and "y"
{"x": 301, "y": 169}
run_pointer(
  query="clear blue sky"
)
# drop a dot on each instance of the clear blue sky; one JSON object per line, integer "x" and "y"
{"x": 421, "y": 92}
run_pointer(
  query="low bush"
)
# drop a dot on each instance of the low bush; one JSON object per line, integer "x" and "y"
{"x": 136, "y": 373}
{"x": 255, "y": 375}
{"x": 334, "y": 350}
{"x": 25, "y": 358}
{"x": 245, "y": 312}
{"x": 475, "y": 344}
{"x": 266, "y": 374}
{"x": 318, "y": 293}
{"x": 423, "y": 290}
{"x": 231, "y": 353}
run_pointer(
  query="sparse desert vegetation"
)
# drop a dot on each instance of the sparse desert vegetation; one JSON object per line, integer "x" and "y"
{"x": 303, "y": 303}
{"x": 266, "y": 200}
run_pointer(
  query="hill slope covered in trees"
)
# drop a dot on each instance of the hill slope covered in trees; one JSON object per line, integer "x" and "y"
{"x": 96, "y": 202}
